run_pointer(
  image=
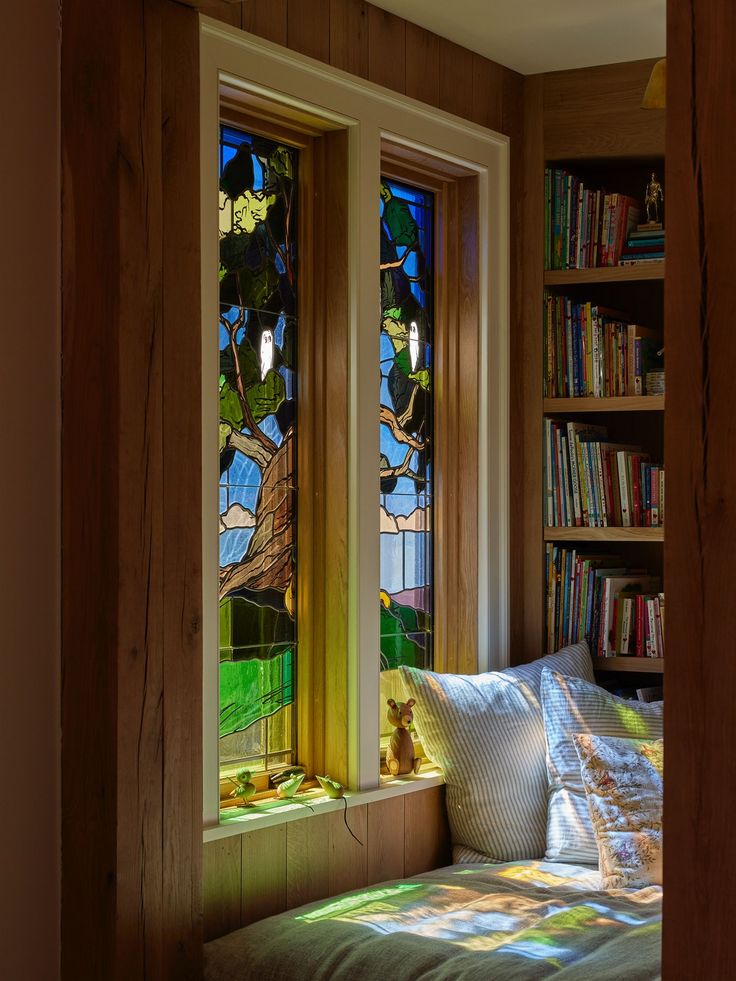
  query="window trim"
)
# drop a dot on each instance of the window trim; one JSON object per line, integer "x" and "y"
{"x": 309, "y": 93}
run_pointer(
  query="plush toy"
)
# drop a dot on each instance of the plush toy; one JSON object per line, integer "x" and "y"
{"x": 400, "y": 753}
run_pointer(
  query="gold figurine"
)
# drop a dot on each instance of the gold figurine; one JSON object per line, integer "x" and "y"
{"x": 653, "y": 197}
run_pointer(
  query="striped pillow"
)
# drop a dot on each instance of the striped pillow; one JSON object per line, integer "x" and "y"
{"x": 573, "y": 706}
{"x": 486, "y": 732}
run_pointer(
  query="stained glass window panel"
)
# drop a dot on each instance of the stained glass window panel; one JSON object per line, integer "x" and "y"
{"x": 407, "y": 277}
{"x": 257, "y": 445}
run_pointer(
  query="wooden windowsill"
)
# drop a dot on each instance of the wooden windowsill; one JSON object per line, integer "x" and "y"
{"x": 272, "y": 811}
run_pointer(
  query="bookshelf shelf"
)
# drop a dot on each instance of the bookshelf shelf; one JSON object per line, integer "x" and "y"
{"x": 645, "y": 665}
{"x": 604, "y": 274}
{"x": 604, "y": 534}
{"x": 630, "y": 403}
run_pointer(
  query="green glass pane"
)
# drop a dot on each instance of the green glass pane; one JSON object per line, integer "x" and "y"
{"x": 253, "y": 689}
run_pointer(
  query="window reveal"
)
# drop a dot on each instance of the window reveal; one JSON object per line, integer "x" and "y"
{"x": 257, "y": 442}
{"x": 407, "y": 296}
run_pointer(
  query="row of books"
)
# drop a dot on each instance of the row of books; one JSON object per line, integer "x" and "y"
{"x": 593, "y": 351}
{"x": 592, "y": 482}
{"x": 584, "y": 226}
{"x": 645, "y": 244}
{"x": 620, "y": 612}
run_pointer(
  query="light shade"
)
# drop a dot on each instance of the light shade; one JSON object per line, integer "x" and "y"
{"x": 656, "y": 90}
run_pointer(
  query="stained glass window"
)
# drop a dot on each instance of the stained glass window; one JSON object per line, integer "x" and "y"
{"x": 257, "y": 440}
{"x": 407, "y": 276}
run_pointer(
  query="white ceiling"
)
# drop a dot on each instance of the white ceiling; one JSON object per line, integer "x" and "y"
{"x": 544, "y": 35}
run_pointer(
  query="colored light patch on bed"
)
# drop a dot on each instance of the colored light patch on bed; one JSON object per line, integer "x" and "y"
{"x": 351, "y": 904}
{"x": 535, "y": 876}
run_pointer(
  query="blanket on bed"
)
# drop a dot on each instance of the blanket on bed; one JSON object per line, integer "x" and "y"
{"x": 519, "y": 921}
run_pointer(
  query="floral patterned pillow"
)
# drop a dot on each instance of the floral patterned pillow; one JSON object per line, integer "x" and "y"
{"x": 623, "y": 785}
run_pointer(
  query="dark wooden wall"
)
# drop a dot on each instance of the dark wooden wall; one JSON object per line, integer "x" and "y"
{"x": 131, "y": 638}
{"x": 700, "y": 549}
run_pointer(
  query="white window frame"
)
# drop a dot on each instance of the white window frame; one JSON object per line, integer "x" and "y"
{"x": 370, "y": 114}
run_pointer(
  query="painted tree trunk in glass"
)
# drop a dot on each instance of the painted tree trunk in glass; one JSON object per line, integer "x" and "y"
{"x": 407, "y": 277}
{"x": 257, "y": 440}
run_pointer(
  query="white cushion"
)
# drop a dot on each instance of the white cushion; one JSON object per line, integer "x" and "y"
{"x": 623, "y": 786}
{"x": 572, "y": 706}
{"x": 486, "y": 732}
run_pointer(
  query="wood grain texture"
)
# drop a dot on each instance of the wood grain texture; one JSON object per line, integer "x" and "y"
{"x": 222, "y": 887}
{"x": 426, "y": 832}
{"x": 348, "y": 862}
{"x": 90, "y": 126}
{"x": 456, "y": 79}
{"x": 595, "y": 112}
{"x": 487, "y": 99}
{"x": 307, "y": 860}
{"x": 267, "y": 20}
{"x": 385, "y": 840}
{"x": 316, "y": 857}
{"x": 227, "y": 11}
{"x": 608, "y": 274}
{"x": 308, "y": 28}
{"x": 700, "y": 550}
{"x": 331, "y": 486}
{"x": 263, "y": 873}
{"x": 182, "y": 424}
{"x": 422, "y": 64}
{"x": 386, "y": 49}
{"x": 349, "y": 36}
{"x": 526, "y": 561}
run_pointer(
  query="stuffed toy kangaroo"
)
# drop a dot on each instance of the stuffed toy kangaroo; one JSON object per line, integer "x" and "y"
{"x": 400, "y": 753}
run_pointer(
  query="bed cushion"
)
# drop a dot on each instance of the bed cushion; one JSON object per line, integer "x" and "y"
{"x": 486, "y": 733}
{"x": 572, "y": 705}
{"x": 623, "y": 786}
{"x": 523, "y": 921}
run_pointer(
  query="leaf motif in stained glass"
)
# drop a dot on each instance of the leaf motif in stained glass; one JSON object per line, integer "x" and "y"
{"x": 267, "y": 396}
{"x": 231, "y": 411}
{"x": 257, "y": 286}
{"x": 400, "y": 222}
{"x": 250, "y": 209}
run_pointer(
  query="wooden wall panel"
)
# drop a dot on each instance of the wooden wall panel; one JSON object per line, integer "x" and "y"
{"x": 526, "y": 489}
{"x": 700, "y": 544}
{"x": 488, "y": 92}
{"x": 182, "y": 424}
{"x": 267, "y": 20}
{"x": 307, "y": 860}
{"x": 596, "y": 112}
{"x": 456, "y": 79}
{"x": 263, "y": 873}
{"x": 386, "y": 49}
{"x": 385, "y": 840}
{"x": 349, "y": 36}
{"x": 308, "y": 28}
{"x": 347, "y": 866}
{"x": 90, "y": 133}
{"x": 316, "y": 857}
{"x": 222, "y": 887}
{"x": 426, "y": 832}
{"x": 422, "y": 64}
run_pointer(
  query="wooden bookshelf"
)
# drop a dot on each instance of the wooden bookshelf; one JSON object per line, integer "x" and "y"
{"x": 604, "y": 274}
{"x": 629, "y": 403}
{"x": 643, "y": 665}
{"x": 603, "y": 534}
